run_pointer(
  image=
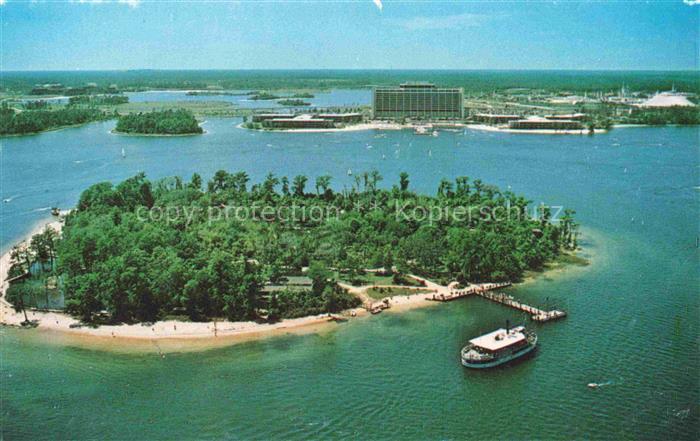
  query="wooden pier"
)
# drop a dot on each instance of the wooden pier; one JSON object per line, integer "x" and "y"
{"x": 486, "y": 291}
{"x": 536, "y": 314}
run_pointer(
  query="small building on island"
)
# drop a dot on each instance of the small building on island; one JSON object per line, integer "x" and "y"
{"x": 489, "y": 118}
{"x": 260, "y": 117}
{"x": 571, "y": 116}
{"x": 298, "y": 122}
{"x": 353, "y": 117}
{"x": 306, "y": 120}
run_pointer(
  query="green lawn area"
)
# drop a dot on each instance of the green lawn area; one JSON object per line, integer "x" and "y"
{"x": 377, "y": 279}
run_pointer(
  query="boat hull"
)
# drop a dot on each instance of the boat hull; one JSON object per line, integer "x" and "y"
{"x": 501, "y": 360}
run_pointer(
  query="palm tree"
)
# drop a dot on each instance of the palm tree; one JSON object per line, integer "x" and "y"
{"x": 462, "y": 185}
{"x": 445, "y": 188}
{"x": 299, "y": 184}
{"x": 218, "y": 182}
{"x": 322, "y": 183}
{"x": 403, "y": 181}
{"x": 374, "y": 178}
{"x": 239, "y": 181}
{"x": 478, "y": 186}
{"x": 269, "y": 185}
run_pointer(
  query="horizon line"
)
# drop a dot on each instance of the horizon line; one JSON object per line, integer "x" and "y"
{"x": 348, "y": 69}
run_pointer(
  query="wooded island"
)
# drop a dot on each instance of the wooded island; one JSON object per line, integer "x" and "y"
{"x": 164, "y": 122}
{"x": 144, "y": 250}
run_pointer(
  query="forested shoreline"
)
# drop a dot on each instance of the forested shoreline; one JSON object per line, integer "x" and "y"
{"x": 116, "y": 255}
{"x": 14, "y": 122}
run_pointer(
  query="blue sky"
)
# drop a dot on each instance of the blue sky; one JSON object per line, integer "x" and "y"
{"x": 171, "y": 34}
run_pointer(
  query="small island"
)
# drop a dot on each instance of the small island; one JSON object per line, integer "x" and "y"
{"x": 293, "y": 102}
{"x": 159, "y": 122}
{"x": 211, "y": 93}
{"x": 144, "y": 251}
{"x": 263, "y": 96}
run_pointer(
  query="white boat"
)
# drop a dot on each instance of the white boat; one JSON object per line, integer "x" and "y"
{"x": 498, "y": 347}
{"x": 123, "y": 153}
{"x": 349, "y": 172}
{"x": 423, "y": 130}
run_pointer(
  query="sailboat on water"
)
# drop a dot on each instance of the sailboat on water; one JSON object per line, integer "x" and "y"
{"x": 123, "y": 153}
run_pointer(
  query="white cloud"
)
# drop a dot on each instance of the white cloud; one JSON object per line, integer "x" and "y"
{"x": 691, "y": 2}
{"x": 131, "y": 3}
{"x": 2, "y": 2}
{"x": 378, "y": 3}
{"x": 444, "y": 22}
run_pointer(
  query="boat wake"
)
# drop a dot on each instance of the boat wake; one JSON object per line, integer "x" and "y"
{"x": 599, "y": 385}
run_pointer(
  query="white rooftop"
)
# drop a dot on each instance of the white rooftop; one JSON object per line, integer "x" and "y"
{"x": 667, "y": 99}
{"x": 570, "y": 115}
{"x": 498, "y": 339}
{"x": 536, "y": 118}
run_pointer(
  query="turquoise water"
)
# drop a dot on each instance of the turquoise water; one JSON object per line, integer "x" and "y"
{"x": 633, "y": 319}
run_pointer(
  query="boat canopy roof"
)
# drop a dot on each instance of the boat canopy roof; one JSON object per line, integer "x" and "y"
{"x": 499, "y": 339}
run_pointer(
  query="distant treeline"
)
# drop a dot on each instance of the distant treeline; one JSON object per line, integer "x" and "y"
{"x": 59, "y": 89}
{"x": 99, "y": 100}
{"x": 472, "y": 81}
{"x": 32, "y": 121}
{"x": 165, "y": 122}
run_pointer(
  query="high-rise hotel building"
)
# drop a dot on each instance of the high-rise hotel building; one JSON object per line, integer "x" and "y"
{"x": 418, "y": 101}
